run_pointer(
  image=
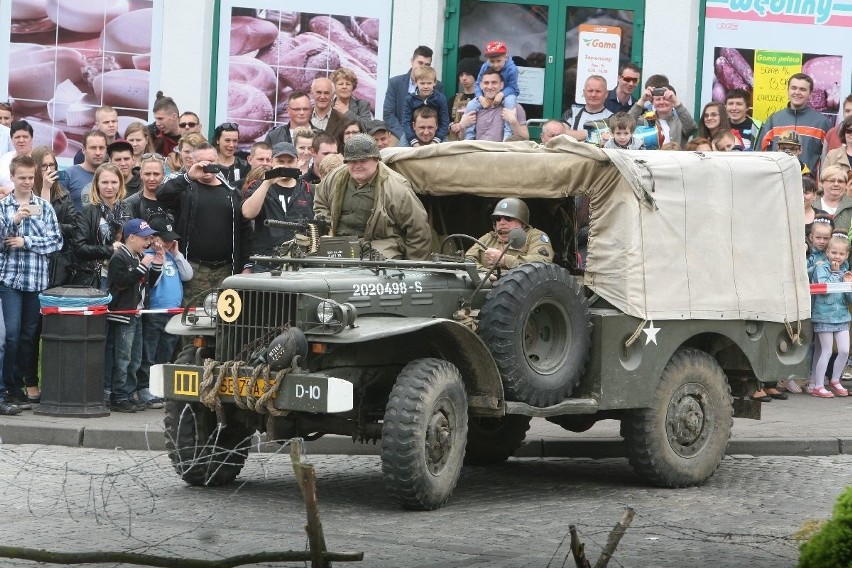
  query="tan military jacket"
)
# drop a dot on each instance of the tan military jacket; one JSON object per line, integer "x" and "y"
{"x": 536, "y": 249}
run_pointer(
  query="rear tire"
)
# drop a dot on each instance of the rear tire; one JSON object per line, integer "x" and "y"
{"x": 682, "y": 438}
{"x": 494, "y": 440}
{"x": 424, "y": 434}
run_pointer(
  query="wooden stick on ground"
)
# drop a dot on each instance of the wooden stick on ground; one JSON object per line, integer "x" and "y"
{"x": 615, "y": 537}
{"x": 577, "y": 549}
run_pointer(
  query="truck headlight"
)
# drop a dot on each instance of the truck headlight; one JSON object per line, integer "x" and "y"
{"x": 209, "y": 305}
{"x": 325, "y": 311}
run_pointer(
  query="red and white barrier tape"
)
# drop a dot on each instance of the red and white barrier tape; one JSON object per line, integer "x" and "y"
{"x": 102, "y": 310}
{"x": 831, "y": 288}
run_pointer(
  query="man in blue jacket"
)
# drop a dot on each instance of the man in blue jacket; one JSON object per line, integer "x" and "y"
{"x": 400, "y": 87}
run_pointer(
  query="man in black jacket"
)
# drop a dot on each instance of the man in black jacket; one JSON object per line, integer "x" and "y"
{"x": 284, "y": 198}
{"x": 207, "y": 212}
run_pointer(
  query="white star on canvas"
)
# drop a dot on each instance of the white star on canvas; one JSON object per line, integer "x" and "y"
{"x": 651, "y": 332}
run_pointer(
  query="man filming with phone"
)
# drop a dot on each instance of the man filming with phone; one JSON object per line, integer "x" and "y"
{"x": 207, "y": 213}
{"x": 282, "y": 196}
{"x": 674, "y": 120}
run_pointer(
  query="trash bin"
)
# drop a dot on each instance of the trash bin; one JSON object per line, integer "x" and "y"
{"x": 72, "y": 353}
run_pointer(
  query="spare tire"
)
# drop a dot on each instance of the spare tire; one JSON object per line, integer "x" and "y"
{"x": 536, "y": 324}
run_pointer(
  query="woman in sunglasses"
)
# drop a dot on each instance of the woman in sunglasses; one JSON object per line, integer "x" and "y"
{"x": 226, "y": 138}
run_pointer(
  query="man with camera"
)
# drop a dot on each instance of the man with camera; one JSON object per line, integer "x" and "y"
{"x": 673, "y": 118}
{"x": 281, "y": 196}
{"x": 208, "y": 214}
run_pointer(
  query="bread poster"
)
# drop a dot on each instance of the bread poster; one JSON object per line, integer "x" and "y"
{"x": 266, "y": 53}
{"x": 68, "y": 57}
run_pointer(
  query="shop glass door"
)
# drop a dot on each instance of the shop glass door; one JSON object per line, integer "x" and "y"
{"x": 544, "y": 38}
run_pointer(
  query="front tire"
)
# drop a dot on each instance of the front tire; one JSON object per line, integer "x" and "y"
{"x": 424, "y": 434}
{"x": 201, "y": 453}
{"x": 682, "y": 438}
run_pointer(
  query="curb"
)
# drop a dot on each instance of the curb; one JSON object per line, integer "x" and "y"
{"x": 596, "y": 448}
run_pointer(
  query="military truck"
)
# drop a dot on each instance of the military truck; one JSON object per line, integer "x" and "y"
{"x": 694, "y": 292}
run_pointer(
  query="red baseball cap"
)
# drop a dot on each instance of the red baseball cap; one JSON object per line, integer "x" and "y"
{"x": 495, "y": 48}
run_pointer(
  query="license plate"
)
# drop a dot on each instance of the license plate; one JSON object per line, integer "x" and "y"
{"x": 300, "y": 391}
{"x": 260, "y": 386}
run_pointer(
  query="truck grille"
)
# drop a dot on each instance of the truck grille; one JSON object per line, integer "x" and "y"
{"x": 263, "y": 315}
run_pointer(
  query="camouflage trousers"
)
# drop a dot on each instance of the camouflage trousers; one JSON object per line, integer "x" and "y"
{"x": 203, "y": 278}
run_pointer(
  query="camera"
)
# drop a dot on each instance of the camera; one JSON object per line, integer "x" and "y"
{"x": 659, "y": 92}
{"x": 282, "y": 172}
{"x": 212, "y": 169}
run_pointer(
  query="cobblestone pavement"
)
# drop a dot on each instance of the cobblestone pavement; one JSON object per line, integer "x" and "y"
{"x": 512, "y": 515}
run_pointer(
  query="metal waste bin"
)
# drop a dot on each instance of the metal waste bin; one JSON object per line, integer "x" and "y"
{"x": 72, "y": 353}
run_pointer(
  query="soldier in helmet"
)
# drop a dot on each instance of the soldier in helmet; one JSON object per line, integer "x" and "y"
{"x": 368, "y": 200}
{"x": 790, "y": 143}
{"x": 511, "y": 213}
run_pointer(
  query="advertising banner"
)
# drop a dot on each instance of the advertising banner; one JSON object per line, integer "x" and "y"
{"x": 598, "y": 54}
{"x": 756, "y": 45}
{"x": 270, "y": 48}
{"x": 65, "y": 59}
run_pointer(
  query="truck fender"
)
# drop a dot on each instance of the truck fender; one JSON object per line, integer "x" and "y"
{"x": 439, "y": 337}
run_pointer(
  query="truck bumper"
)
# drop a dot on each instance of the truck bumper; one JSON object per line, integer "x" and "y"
{"x": 304, "y": 392}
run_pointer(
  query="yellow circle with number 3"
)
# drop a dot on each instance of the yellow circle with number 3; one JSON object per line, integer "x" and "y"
{"x": 229, "y": 305}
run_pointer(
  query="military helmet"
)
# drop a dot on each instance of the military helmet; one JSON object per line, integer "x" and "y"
{"x": 360, "y": 147}
{"x": 790, "y": 137}
{"x": 514, "y": 208}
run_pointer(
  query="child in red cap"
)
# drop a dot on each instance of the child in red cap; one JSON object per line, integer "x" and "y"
{"x": 497, "y": 58}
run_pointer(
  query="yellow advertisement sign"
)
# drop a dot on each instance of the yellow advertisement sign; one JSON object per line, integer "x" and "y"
{"x": 772, "y": 69}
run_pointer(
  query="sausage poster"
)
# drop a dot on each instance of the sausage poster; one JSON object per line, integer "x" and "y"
{"x": 66, "y": 58}
{"x": 266, "y": 53}
{"x": 757, "y": 46}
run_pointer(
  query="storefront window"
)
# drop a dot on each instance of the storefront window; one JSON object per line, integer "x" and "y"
{"x": 523, "y": 27}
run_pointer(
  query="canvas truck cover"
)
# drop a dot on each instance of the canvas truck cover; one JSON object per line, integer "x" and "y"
{"x": 672, "y": 235}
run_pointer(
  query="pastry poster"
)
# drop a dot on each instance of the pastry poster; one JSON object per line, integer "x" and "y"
{"x": 269, "y": 49}
{"x": 68, "y": 57}
{"x": 756, "y": 46}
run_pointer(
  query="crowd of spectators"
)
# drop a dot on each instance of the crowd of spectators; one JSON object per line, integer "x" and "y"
{"x": 158, "y": 214}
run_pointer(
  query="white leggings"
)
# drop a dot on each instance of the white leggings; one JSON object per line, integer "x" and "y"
{"x": 822, "y": 353}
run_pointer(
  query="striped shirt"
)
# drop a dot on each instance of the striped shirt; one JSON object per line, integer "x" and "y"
{"x": 25, "y": 268}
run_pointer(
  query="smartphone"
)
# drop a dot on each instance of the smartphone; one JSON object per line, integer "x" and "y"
{"x": 211, "y": 168}
{"x": 282, "y": 172}
{"x": 62, "y": 177}
{"x": 35, "y": 210}
{"x": 659, "y": 92}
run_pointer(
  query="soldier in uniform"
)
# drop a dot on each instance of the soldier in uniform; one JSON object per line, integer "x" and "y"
{"x": 368, "y": 200}
{"x": 511, "y": 213}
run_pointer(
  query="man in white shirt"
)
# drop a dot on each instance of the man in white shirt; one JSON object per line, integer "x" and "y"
{"x": 595, "y": 92}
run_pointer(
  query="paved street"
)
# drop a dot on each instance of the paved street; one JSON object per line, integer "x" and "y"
{"x": 513, "y": 515}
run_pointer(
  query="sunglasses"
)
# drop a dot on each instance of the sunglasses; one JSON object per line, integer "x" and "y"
{"x": 502, "y": 218}
{"x": 631, "y": 80}
{"x": 187, "y": 124}
{"x": 153, "y": 155}
{"x": 229, "y": 126}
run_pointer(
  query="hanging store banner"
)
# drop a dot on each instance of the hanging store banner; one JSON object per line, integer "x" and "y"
{"x": 756, "y": 45}
{"x": 598, "y": 54}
